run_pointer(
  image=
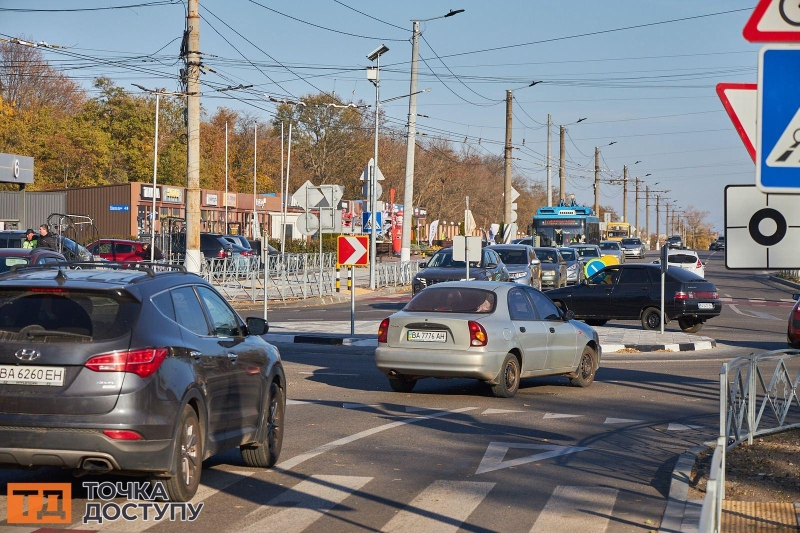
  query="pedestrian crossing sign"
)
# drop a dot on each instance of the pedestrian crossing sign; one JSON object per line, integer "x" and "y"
{"x": 778, "y": 137}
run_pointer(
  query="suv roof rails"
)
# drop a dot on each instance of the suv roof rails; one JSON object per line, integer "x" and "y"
{"x": 142, "y": 266}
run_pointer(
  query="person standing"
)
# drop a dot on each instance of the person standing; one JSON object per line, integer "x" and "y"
{"x": 29, "y": 243}
{"x": 47, "y": 240}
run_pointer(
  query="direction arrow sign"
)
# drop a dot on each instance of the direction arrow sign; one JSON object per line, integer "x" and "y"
{"x": 496, "y": 452}
{"x": 741, "y": 102}
{"x": 778, "y": 135}
{"x": 352, "y": 251}
{"x": 774, "y": 21}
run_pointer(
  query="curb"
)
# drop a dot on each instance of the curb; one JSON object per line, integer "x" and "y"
{"x": 674, "y": 513}
{"x": 782, "y": 281}
{"x": 681, "y": 347}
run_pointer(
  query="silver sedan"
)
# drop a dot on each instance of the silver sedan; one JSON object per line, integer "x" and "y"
{"x": 494, "y": 332}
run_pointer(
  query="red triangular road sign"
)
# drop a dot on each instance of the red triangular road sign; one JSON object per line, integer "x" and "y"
{"x": 741, "y": 101}
{"x": 774, "y": 21}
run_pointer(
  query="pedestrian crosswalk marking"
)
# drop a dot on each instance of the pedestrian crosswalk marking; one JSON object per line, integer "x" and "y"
{"x": 785, "y": 153}
{"x": 303, "y": 504}
{"x": 500, "y": 411}
{"x": 442, "y": 507}
{"x": 496, "y": 452}
{"x": 571, "y": 509}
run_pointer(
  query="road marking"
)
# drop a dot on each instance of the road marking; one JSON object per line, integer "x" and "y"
{"x": 303, "y": 457}
{"x": 303, "y": 504}
{"x": 415, "y": 409}
{"x": 298, "y": 402}
{"x": 496, "y": 452}
{"x": 681, "y": 427}
{"x": 622, "y": 421}
{"x": 728, "y": 295}
{"x": 326, "y": 374}
{"x": 753, "y": 314}
{"x": 559, "y": 415}
{"x": 442, "y": 507}
{"x": 357, "y": 406}
{"x": 570, "y": 509}
{"x": 500, "y": 411}
{"x": 212, "y": 482}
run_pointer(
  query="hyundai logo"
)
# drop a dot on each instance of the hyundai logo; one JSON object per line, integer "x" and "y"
{"x": 26, "y": 354}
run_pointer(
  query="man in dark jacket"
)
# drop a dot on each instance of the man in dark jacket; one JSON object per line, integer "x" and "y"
{"x": 47, "y": 240}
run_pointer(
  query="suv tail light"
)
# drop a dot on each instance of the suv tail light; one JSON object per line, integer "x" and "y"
{"x": 221, "y": 254}
{"x": 699, "y": 264}
{"x": 121, "y": 434}
{"x": 383, "y": 331}
{"x": 246, "y": 253}
{"x": 477, "y": 335}
{"x": 143, "y": 363}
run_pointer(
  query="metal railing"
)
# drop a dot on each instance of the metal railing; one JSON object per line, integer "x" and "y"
{"x": 758, "y": 395}
{"x": 395, "y": 273}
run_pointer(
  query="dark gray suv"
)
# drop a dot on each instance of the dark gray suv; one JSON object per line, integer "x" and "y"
{"x": 131, "y": 370}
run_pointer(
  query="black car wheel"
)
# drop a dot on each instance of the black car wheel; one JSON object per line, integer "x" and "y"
{"x": 689, "y": 325}
{"x": 596, "y": 322}
{"x": 508, "y": 380}
{"x": 265, "y": 454}
{"x": 402, "y": 384}
{"x": 651, "y": 318}
{"x": 584, "y": 375}
{"x": 188, "y": 458}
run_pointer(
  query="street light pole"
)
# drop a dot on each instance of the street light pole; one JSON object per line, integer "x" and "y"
{"x": 408, "y": 189}
{"x": 373, "y": 175}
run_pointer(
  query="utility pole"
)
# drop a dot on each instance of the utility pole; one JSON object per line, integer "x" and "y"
{"x": 562, "y": 175}
{"x": 596, "y": 181}
{"x": 408, "y": 189}
{"x": 658, "y": 214}
{"x": 193, "y": 256}
{"x": 508, "y": 156}
{"x": 667, "y": 230}
{"x": 625, "y": 193}
{"x": 647, "y": 212}
{"x": 549, "y": 177}
{"x": 636, "y": 206}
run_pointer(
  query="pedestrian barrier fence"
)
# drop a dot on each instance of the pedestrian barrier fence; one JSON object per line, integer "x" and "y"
{"x": 758, "y": 395}
{"x": 395, "y": 273}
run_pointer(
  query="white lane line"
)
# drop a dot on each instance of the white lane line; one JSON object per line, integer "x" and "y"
{"x": 358, "y": 405}
{"x": 559, "y": 415}
{"x": 327, "y": 373}
{"x": 570, "y": 509}
{"x": 303, "y": 504}
{"x": 415, "y": 409}
{"x": 728, "y": 295}
{"x": 681, "y": 427}
{"x": 621, "y": 421}
{"x": 303, "y": 457}
{"x": 500, "y": 411}
{"x": 212, "y": 482}
{"x": 496, "y": 452}
{"x": 442, "y": 507}
{"x": 753, "y": 314}
{"x": 298, "y": 402}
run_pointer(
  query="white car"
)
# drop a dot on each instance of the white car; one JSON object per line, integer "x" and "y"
{"x": 687, "y": 260}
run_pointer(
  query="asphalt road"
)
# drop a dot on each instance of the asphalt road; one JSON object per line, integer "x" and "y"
{"x": 450, "y": 457}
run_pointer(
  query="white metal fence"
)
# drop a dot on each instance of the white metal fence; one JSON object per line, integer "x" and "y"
{"x": 758, "y": 395}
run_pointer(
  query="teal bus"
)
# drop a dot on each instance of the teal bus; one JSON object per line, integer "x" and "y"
{"x": 563, "y": 225}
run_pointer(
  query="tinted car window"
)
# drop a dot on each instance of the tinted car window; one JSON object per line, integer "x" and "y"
{"x": 545, "y": 308}
{"x": 222, "y": 317}
{"x": 588, "y": 252}
{"x": 609, "y": 246}
{"x": 568, "y": 254}
{"x": 104, "y": 248}
{"x": 682, "y": 258}
{"x": 99, "y": 315}
{"x": 519, "y": 307}
{"x": 125, "y": 248}
{"x": 634, "y": 275}
{"x": 452, "y": 300}
{"x": 631, "y": 242}
{"x": 606, "y": 276}
{"x": 513, "y": 257}
{"x": 188, "y": 312}
{"x": 163, "y": 303}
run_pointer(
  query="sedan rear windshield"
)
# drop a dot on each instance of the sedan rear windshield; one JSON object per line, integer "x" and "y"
{"x": 609, "y": 246}
{"x": 682, "y": 258}
{"x": 631, "y": 242}
{"x": 7, "y": 262}
{"x": 588, "y": 252}
{"x": 64, "y": 315}
{"x": 452, "y": 300}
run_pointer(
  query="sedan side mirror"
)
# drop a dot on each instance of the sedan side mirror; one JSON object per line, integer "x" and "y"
{"x": 535, "y": 261}
{"x": 569, "y": 315}
{"x": 257, "y": 326}
{"x": 491, "y": 265}
{"x": 795, "y": 296}
{"x": 423, "y": 264}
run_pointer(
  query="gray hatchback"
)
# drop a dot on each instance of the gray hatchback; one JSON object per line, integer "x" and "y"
{"x": 130, "y": 370}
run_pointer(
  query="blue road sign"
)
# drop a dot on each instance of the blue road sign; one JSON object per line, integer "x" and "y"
{"x": 593, "y": 267}
{"x": 365, "y": 222}
{"x": 119, "y": 207}
{"x": 778, "y": 138}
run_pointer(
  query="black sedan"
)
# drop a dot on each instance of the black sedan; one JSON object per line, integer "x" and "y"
{"x": 442, "y": 267}
{"x": 633, "y": 292}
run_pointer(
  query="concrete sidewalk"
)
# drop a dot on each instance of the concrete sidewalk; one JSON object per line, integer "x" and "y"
{"x": 612, "y": 339}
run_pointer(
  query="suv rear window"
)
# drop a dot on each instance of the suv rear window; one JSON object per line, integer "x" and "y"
{"x": 452, "y": 300}
{"x": 64, "y": 315}
{"x": 630, "y": 242}
{"x": 681, "y": 258}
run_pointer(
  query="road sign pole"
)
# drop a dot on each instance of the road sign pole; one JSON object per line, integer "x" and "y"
{"x": 319, "y": 235}
{"x": 350, "y": 281}
{"x": 466, "y": 239}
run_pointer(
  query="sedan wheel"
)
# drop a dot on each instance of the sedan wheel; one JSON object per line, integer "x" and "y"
{"x": 689, "y": 326}
{"x": 584, "y": 375}
{"x": 508, "y": 379}
{"x": 402, "y": 384}
{"x": 651, "y": 319}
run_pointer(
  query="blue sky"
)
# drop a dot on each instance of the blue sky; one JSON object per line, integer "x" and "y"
{"x": 650, "y": 89}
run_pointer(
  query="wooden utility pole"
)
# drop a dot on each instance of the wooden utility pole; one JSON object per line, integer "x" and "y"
{"x": 562, "y": 175}
{"x": 647, "y": 212}
{"x": 625, "y": 193}
{"x": 549, "y": 166}
{"x": 658, "y": 214}
{"x": 636, "y": 206}
{"x": 507, "y": 157}
{"x": 596, "y": 181}
{"x": 194, "y": 258}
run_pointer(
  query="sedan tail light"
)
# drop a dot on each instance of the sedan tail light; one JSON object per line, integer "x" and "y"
{"x": 797, "y": 312}
{"x": 221, "y": 254}
{"x": 699, "y": 264}
{"x": 383, "y": 331}
{"x": 696, "y": 295}
{"x": 246, "y": 253}
{"x": 143, "y": 363}
{"x": 680, "y": 295}
{"x": 477, "y": 334}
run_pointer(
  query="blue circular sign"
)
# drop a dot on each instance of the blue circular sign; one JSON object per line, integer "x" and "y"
{"x": 593, "y": 267}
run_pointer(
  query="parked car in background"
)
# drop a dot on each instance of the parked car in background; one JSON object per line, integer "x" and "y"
{"x": 117, "y": 250}
{"x": 574, "y": 265}
{"x": 554, "y": 267}
{"x": 20, "y": 257}
{"x": 612, "y": 248}
{"x": 133, "y": 371}
{"x": 633, "y": 292}
{"x": 442, "y": 267}
{"x": 215, "y": 246}
{"x": 528, "y": 241}
{"x": 498, "y": 333}
{"x": 720, "y": 243}
{"x": 676, "y": 241}
{"x": 521, "y": 262}
{"x": 793, "y": 330}
{"x": 632, "y": 247}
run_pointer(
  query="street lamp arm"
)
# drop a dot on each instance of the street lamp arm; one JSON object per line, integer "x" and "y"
{"x": 450, "y": 14}
{"x": 405, "y": 96}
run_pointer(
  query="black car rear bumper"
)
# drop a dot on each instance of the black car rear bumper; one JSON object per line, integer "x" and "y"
{"x": 67, "y": 448}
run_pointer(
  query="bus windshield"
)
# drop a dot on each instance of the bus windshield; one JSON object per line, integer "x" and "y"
{"x": 559, "y": 232}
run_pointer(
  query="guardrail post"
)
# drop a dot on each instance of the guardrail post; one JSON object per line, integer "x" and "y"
{"x": 723, "y": 416}
{"x": 338, "y": 281}
{"x": 751, "y": 399}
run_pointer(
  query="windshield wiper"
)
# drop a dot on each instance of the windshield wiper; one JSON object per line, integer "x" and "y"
{"x": 44, "y": 333}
